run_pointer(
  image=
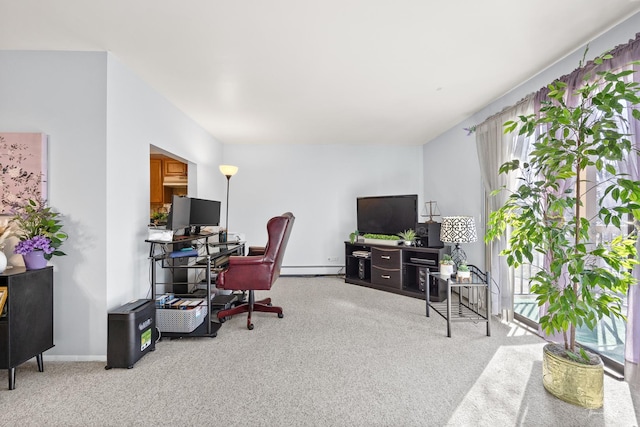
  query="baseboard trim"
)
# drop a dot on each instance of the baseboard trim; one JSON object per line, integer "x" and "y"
{"x": 78, "y": 358}
{"x": 311, "y": 270}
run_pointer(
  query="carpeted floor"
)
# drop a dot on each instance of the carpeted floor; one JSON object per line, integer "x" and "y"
{"x": 343, "y": 355}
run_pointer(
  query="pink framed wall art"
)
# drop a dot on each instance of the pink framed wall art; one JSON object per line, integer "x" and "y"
{"x": 23, "y": 169}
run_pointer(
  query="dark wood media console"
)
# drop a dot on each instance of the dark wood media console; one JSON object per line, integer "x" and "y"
{"x": 399, "y": 269}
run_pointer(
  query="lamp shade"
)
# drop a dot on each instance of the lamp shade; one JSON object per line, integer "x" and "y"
{"x": 458, "y": 229}
{"x": 228, "y": 170}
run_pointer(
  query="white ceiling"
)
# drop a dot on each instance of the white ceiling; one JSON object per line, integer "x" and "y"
{"x": 324, "y": 71}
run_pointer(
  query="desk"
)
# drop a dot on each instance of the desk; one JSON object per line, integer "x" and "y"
{"x": 457, "y": 308}
{"x": 164, "y": 253}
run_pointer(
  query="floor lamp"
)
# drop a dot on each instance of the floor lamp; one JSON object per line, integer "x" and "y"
{"x": 458, "y": 229}
{"x": 228, "y": 171}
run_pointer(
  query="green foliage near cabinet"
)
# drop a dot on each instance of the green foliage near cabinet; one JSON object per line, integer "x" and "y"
{"x": 381, "y": 236}
{"x": 583, "y": 279}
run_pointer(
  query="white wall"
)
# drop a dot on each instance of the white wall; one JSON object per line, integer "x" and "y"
{"x": 101, "y": 120}
{"x": 451, "y": 178}
{"x": 319, "y": 184}
{"x": 453, "y": 154}
{"x": 63, "y": 95}
{"x": 138, "y": 117}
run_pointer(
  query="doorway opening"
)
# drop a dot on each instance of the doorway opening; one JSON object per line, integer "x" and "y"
{"x": 168, "y": 177}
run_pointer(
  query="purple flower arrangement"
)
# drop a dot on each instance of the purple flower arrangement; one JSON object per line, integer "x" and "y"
{"x": 33, "y": 244}
{"x": 38, "y": 228}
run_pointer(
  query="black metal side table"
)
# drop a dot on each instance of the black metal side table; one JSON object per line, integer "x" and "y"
{"x": 475, "y": 306}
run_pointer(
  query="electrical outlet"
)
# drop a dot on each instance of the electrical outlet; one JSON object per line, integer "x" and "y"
{"x": 332, "y": 259}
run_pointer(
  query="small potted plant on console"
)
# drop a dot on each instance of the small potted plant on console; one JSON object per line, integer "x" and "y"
{"x": 446, "y": 265}
{"x": 464, "y": 273}
{"x": 409, "y": 236}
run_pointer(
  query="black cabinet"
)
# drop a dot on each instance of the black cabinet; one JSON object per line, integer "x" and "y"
{"x": 26, "y": 326}
{"x": 418, "y": 263}
{"x": 395, "y": 268}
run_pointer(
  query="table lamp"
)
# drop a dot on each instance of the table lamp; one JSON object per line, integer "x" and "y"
{"x": 458, "y": 229}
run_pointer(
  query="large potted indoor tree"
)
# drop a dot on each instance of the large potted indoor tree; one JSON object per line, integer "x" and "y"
{"x": 583, "y": 278}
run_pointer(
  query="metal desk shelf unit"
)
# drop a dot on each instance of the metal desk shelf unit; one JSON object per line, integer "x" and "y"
{"x": 161, "y": 251}
{"x": 474, "y": 307}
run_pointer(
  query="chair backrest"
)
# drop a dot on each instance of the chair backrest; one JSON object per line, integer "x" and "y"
{"x": 278, "y": 231}
{"x": 259, "y": 272}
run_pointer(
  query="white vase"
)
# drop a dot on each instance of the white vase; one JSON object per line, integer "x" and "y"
{"x": 3, "y": 261}
{"x": 446, "y": 269}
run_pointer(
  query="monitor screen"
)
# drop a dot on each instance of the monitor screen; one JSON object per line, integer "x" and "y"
{"x": 387, "y": 214}
{"x": 204, "y": 212}
{"x": 179, "y": 214}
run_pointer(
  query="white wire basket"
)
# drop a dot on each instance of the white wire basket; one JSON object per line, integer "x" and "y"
{"x": 175, "y": 320}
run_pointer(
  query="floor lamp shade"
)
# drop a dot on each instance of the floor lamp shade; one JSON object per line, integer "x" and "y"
{"x": 228, "y": 171}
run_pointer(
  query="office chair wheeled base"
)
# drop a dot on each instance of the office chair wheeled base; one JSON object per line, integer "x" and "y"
{"x": 249, "y": 307}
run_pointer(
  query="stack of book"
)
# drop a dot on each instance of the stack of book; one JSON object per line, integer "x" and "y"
{"x": 171, "y": 302}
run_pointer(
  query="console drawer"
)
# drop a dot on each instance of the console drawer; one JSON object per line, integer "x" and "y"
{"x": 386, "y": 258}
{"x": 385, "y": 277}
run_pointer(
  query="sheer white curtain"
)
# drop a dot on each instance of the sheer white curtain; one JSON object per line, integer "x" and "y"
{"x": 494, "y": 149}
{"x": 622, "y": 56}
{"x": 631, "y": 165}
{"x": 632, "y": 339}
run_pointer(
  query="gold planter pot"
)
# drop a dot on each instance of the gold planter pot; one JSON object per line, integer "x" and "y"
{"x": 573, "y": 382}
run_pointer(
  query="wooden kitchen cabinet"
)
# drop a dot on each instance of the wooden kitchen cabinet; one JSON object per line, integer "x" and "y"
{"x": 156, "y": 191}
{"x": 168, "y": 177}
{"x": 174, "y": 168}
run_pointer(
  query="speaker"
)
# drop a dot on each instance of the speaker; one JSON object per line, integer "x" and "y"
{"x": 434, "y": 235}
{"x": 361, "y": 270}
{"x": 421, "y": 229}
{"x": 422, "y": 279}
{"x": 429, "y": 233}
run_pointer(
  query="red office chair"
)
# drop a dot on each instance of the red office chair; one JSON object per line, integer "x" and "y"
{"x": 257, "y": 272}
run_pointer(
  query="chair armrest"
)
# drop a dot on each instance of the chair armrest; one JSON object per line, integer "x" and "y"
{"x": 256, "y": 250}
{"x": 245, "y": 272}
{"x": 245, "y": 260}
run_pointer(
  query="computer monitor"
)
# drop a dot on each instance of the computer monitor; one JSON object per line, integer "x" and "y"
{"x": 179, "y": 214}
{"x": 204, "y": 213}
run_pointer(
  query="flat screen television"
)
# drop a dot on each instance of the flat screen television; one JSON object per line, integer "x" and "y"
{"x": 179, "y": 213}
{"x": 204, "y": 212}
{"x": 387, "y": 214}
